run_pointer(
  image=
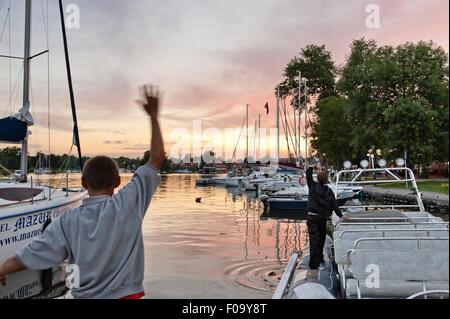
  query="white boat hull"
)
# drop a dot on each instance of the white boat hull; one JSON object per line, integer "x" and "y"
{"x": 19, "y": 229}
{"x": 218, "y": 180}
{"x": 236, "y": 182}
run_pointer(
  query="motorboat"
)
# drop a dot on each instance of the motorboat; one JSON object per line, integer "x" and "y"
{"x": 296, "y": 206}
{"x": 381, "y": 252}
{"x": 281, "y": 184}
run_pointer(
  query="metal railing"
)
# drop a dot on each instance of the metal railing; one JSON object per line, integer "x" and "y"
{"x": 425, "y": 294}
{"x": 47, "y": 189}
{"x": 419, "y": 241}
{"x": 287, "y": 275}
{"x": 384, "y": 232}
{"x": 358, "y": 174}
{"x": 414, "y": 225}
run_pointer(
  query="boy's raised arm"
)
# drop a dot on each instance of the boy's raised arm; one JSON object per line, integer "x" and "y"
{"x": 150, "y": 103}
{"x": 309, "y": 177}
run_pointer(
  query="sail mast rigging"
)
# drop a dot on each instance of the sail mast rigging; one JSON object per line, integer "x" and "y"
{"x": 26, "y": 90}
{"x": 76, "y": 134}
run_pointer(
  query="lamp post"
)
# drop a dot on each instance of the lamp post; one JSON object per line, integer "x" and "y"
{"x": 371, "y": 157}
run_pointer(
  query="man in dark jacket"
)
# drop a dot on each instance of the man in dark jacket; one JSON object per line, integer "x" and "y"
{"x": 321, "y": 204}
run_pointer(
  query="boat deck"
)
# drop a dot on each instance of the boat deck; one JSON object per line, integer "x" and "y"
{"x": 390, "y": 254}
{"x": 382, "y": 254}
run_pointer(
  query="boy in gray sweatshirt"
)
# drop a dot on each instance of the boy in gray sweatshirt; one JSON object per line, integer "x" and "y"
{"x": 103, "y": 237}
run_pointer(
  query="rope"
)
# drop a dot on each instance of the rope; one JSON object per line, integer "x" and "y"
{"x": 66, "y": 166}
{"x": 4, "y": 25}
{"x": 45, "y": 18}
{"x": 9, "y": 49}
{"x": 16, "y": 87}
{"x": 284, "y": 128}
{"x": 288, "y": 131}
{"x": 253, "y": 141}
{"x": 13, "y": 105}
{"x": 36, "y": 135}
{"x": 7, "y": 23}
{"x": 290, "y": 127}
{"x": 239, "y": 138}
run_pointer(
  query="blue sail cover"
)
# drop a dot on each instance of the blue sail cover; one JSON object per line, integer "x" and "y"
{"x": 12, "y": 130}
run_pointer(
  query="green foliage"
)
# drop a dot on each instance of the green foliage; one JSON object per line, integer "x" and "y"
{"x": 410, "y": 126}
{"x": 146, "y": 158}
{"x": 397, "y": 99}
{"x": 331, "y": 130}
{"x": 10, "y": 157}
{"x": 316, "y": 64}
{"x": 167, "y": 166}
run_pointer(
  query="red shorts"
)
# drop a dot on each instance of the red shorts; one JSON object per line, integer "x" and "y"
{"x": 134, "y": 297}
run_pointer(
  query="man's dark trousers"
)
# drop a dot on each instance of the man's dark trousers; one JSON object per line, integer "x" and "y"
{"x": 317, "y": 229}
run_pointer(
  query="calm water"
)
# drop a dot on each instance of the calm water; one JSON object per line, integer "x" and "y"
{"x": 220, "y": 248}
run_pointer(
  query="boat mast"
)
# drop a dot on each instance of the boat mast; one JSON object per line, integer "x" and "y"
{"x": 254, "y": 142}
{"x": 246, "y": 119}
{"x": 306, "y": 124}
{"x": 299, "y": 115}
{"x": 26, "y": 89}
{"x": 295, "y": 137}
{"x": 259, "y": 137}
{"x": 76, "y": 134}
{"x": 278, "y": 123}
{"x": 286, "y": 129}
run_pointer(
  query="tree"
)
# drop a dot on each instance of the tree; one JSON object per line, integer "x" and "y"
{"x": 411, "y": 128}
{"x": 167, "y": 165}
{"x": 316, "y": 64}
{"x": 376, "y": 80}
{"x": 10, "y": 157}
{"x": 146, "y": 158}
{"x": 332, "y": 130}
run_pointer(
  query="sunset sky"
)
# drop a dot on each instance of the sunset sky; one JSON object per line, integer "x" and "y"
{"x": 210, "y": 57}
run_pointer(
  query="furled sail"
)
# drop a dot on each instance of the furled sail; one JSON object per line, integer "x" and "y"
{"x": 12, "y": 130}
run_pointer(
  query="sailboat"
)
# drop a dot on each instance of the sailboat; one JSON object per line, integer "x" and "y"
{"x": 26, "y": 207}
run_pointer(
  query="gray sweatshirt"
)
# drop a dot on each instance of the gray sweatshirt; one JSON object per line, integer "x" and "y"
{"x": 103, "y": 237}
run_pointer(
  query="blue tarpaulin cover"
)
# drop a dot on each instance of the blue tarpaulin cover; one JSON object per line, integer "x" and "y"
{"x": 12, "y": 130}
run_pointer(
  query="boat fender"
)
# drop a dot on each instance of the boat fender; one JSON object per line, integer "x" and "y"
{"x": 47, "y": 275}
{"x": 46, "y": 224}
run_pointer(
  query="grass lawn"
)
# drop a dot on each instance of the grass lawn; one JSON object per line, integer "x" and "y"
{"x": 425, "y": 186}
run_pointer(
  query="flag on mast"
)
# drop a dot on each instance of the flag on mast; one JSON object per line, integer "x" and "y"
{"x": 267, "y": 108}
